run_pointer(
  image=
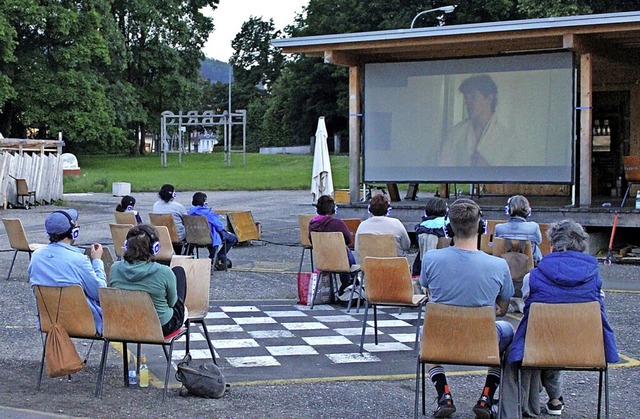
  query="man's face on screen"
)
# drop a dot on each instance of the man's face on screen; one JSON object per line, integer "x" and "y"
{"x": 477, "y": 104}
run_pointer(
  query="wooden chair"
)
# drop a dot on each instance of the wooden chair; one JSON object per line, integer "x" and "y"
{"x": 500, "y": 248}
{"x": 18, "y": 240}
{"x": 631, "y": 174}
{"x": 388, "y": 283}
{"x": 352, "y": 225}
{"x": 167, "y": 221}
{"x": 166, "y": 253}
{"x": 545, "y": 246}
{"x": 126, "y": 217}
{"x": 129, "y": 316}
{"x": 428, "y": 242}
{"x": 119, "y": 235}
{"x": 107, "y": 259}
{"x": 455, "y": 335}
{"x": 22, "y": 192}
{"x": 487, "y": 239}
{"x": 375, "y": 245}
{"x": 243, "y": 226}
{"x": 548, "y": 345}
{"x": 198, "y": 235}
{"x": 330, "y": 255}
{"x": 69, "y": 305}
{"x": 303, "y": 228}
{"x": 198, "y": 273}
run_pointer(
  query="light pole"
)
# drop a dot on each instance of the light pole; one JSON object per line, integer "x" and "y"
{"x": 443, "y": 9}
{"x": 227, "y": 142}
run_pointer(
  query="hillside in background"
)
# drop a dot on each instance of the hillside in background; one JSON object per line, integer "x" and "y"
{"x": 214, "y": 70}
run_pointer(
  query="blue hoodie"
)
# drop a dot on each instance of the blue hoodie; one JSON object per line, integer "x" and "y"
{"x": 565, "y": 277}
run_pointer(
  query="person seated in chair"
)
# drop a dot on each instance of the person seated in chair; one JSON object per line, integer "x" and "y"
{"x": 61, "y": 264}
{"x": 326, "y": 221}
{"x": 219, "y": 236}
{"x": 139, "y": 272}
{"x": 126, "y": 205}
{"x": 435, "y": 208}
{"x": 461, "y": 275}
{"x": 168, "y": 205}
{"x": 518, "y": 228}
{"x": 566, "y": 275}
{"x": 381, "y": 223}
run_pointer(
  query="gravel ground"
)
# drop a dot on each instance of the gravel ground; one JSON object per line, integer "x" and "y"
{"x": 263, "y": 272}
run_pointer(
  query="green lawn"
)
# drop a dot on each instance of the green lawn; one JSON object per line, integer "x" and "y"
{"x": 202, "y": 172}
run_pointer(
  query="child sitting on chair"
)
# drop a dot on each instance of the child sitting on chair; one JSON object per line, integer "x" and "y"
{"x": 126, "y": 205}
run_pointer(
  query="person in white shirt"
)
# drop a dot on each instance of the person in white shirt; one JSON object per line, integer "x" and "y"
{"x": 381, "y": 223}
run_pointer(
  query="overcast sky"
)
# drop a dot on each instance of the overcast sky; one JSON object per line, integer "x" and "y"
{"x": 231, "y": 14}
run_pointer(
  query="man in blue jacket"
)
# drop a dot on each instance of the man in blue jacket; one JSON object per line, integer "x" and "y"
{"x": 219, "y": 236}
{"x": 566, "y": 275}
{"x": 60, "y": 264}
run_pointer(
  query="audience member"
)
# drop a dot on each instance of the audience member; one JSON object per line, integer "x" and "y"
{"x": 566, "y": 275}
{"x": 61, "y": 264}
{"x": 126, "y": 205}
{"x": 219, "y": 236}
{"x": 139, "y": 272}
{"x": 518, "y": 228}
{"x": 381, "y": 223}
{"x": 326, "y": 221}
{"x": 435, "y": 209}
{"x": 167, "y": 205}
{"x": 461, "y": 275}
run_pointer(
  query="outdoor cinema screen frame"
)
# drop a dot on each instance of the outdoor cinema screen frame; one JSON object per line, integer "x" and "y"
{"x": 514, "y": 122}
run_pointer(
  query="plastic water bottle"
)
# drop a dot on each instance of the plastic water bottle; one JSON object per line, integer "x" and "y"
{"x": 133, "y": 378}
{"x": 144, "y": 372}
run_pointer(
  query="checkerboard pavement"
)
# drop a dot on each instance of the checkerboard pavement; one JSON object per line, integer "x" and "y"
{"x": 273, "y": 340}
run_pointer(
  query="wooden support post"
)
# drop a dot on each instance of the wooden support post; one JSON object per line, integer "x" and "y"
{"x": 586, "y": 116}
{"x": 355, "y": 109}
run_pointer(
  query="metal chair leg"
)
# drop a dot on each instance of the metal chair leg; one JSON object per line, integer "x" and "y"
{"x": 606, "y": 392}
{"x": 375, "y": 322}
{"x": 12, "y": 262}
{"x": 206, "y": 335}
{"x": 364, "y": 324}
{"x": 166, "y": 374}
{"x": 103, "y": 363}
{"x": 187, "y": 337}
{"x": 600, "y": 373}
{"x": 44, "y": 349}
{"x": 125, "y": 363}
{"x": 416, "y": 343}
{"x": 417, "y": 390}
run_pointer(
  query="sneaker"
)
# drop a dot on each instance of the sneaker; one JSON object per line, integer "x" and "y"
{"x": 555, "y": 407}
{"x": 220, "y": 264}
{"x": 482, "y": 409}
{"x": 445, "y": 408}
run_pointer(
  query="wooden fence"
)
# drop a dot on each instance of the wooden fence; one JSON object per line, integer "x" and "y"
{"x": 36, "y": 161}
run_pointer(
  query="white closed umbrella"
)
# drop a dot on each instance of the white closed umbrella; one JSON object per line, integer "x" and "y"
{"x": 321, "y": 181}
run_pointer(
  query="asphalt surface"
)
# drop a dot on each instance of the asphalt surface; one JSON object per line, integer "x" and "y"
{"x": 263, "y": 272}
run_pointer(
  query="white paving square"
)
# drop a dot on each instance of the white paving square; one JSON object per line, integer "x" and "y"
{"x": 304, "y": 326}
{"x": 254, "y": 320}
{"x": 327, "y": 340}
{"x": 386, "y": 347}
{"x": 195, "y": 354}
{"x": 404, "y": 337}
{"x": 335, "y": 319}
{"x": 235, "y": 343}
{"x": 291, "y": 350}
{"x": 224, "y": 328}
{"x": 253, "y": 361}
{"x": 193, "y": 337}
{"x": 239, "y": 309}
{"x": 290, "y": 313}
{"x": 351, "y": 358}
{"x": 270, "y": 334}
{"x": 317, "y": 307}
{"x": 390, "y": 323}
{"x": 216, "y": 315}
{"x": 356, "y": 331}
{"x": 406, "y": 315}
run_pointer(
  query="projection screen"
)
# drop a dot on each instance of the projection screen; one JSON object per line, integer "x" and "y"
{"x": 495, "y": 119}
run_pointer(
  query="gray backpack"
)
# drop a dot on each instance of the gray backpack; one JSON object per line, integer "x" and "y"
{"x": 203, "y": 380}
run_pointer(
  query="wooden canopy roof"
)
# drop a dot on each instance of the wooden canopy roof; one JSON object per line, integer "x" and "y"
{"x": 614, "y": 37}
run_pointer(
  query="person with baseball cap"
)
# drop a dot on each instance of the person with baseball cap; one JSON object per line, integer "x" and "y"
{"x": 62, "y": 264}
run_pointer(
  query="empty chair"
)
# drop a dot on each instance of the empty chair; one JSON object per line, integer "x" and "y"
{"x": 22, "y": 192}
{"x": 198, "y": 272}
{"x": 129, "y": 316}
{"x": 18, "y": 240}
{"x": 68, "y": 307}
{"x": 455, "y": 335}
{"x": 126, "y": 217}
{"x": 547, "y": 344}
{"x": 303, "y": 228}
{"x": 375, "y": 245}
{"x": 330, "y": 255}
{"x": 388, "y": 283}
{"x": 119, "y": 235}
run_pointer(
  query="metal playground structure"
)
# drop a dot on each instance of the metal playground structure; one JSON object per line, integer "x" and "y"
{"x": 174, "y": 128}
